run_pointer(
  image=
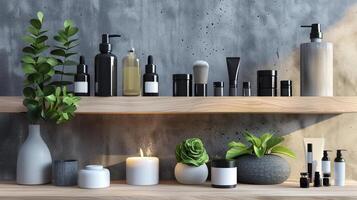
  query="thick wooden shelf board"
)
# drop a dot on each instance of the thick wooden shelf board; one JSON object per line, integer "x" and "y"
{"x": 184, "y": 105}
{"x": 172, "y": 191}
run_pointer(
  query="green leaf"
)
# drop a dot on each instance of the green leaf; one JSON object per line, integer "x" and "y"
{"x": 283, "y": 150}
{"x": 28, "y": 68}
{"x": 70, "y": 42}
{"x": 41, "y": 39}
{"x": 44, "y": 68}
{"x": 59, "y": 39}
{"x": 41, "y": 59}
{"x": 29, "y": 50}
{"x": 68, "y": 23}
{"x": 275, "y": 140}
{"x": 72, "y": 46}
{"x": 31, "y": 104}
{"x": 33, "y": 30}
{"x": 48, "y": 90}
{"x": 40, "y": 16}
{"x": 28, "y": 59}
{"x": 236, "y": 144}
{"x": 252, "y": 139}
{"x": 236, "y": 152}
{"x": 259, "y": 151}
{"x": 29, "y": 92}
{"x": 265, "y": 138}
{"x": 65, "y": 116}
{"x": 58, "y": 52}
{"x": 58, "y": 91}
{"x": 34, "y": 78}
{"x": 51, "y": 98}
{"x": 42, "y": 32}
{"x": 72, "y": 31}
{"x": 70, "y": 54}
{"x": 70, "y": 63}
{"x": 36, "y": 23}
{"x": 52, "y": 61}
{"x": 29, "y": 39}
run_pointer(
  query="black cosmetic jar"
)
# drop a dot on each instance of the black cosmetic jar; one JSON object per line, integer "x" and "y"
{"x": 286, "y": 88}
{"x": 182, "y": 85}
{"x": 267, "y": 82}
{"x": 224, "y": 173}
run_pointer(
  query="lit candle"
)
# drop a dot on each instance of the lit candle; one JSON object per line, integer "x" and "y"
{"x": 142, "y": 170}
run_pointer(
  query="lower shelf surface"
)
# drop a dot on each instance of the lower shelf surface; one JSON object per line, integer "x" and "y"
{"x": 172, "y": 190}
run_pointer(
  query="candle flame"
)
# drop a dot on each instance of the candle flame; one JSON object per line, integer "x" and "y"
{"x": 141, "y": 153}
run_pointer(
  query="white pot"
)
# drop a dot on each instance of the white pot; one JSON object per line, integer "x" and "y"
{"x": 191, "y": 175}
{"x": 34, "y": 159}
{"x": 94, "y": 176}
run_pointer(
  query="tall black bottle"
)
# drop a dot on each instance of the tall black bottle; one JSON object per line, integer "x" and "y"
{"x": 106, "y": 69}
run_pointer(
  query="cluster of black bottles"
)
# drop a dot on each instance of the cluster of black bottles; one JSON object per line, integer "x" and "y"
{"x": 106, "y": 73}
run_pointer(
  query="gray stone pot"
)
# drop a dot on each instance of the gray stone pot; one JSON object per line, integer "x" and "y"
{"x": 267, "y": 170}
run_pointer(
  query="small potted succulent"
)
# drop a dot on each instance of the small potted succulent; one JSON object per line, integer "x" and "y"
{"x": 260, "y": 162}
{"x": 191, "y": 157}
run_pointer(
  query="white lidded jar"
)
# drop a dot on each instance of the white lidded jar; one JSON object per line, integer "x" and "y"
{"x": 316, "y": 65}
{"x": 94, "y": 176}
{"x": 340, "y": 169}
{"x": 223, "y": 173}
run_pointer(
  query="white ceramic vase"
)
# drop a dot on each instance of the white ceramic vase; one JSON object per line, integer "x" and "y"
{"x": 34, "y": 159}
{"x": 191, "y": 175}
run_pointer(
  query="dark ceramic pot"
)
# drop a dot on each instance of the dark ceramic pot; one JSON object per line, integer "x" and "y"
{"x": 64, "y": 172}
{"x": 267, "y": 170}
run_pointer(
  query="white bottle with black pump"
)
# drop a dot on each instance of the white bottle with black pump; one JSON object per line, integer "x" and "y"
{"x": 340, "y": 169}
{"x": 316, "y": 65}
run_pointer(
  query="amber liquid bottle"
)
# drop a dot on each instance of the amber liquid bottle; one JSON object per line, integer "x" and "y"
{"x": 131, "y": 75}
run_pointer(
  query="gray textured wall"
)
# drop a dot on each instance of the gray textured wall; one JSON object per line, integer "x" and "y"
{"x": 264, "y": 33}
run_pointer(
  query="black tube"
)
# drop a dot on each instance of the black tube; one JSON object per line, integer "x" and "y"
{"x": 233, "y": 71}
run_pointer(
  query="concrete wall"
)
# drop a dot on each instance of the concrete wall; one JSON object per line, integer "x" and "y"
{"x": 265, "y": 34}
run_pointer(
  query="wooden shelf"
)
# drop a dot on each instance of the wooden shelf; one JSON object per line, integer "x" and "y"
{"x": 178, "y": 105}
{"x": 173, "y": 191}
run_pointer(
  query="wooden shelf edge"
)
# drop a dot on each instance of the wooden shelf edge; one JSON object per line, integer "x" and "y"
{"x": 201, "y": 105}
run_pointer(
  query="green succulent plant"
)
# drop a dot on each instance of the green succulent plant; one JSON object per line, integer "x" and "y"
{"x": 44, "y": 98}
{"x": 259, "y": 146}
{"x": 191, "y": 152}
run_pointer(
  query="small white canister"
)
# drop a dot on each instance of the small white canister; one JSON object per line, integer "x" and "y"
{"x": 223, "y": 173}
{"x": 94, "y": 176}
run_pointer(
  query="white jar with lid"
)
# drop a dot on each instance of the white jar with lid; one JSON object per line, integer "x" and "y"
{"x": 223, "y": 173}
{"x": 94, "y": 176}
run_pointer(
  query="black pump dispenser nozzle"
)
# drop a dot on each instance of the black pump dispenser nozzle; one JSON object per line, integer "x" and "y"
{"x": 339, "y": 155}
{"x": 81, "y": 67}
{"x": 315, "y": 31}
{"x": 105, "y": 46}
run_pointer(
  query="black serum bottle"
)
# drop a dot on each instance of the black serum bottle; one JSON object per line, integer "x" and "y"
{"x": 150, "y": 79}
{"x": 81, "y": 79}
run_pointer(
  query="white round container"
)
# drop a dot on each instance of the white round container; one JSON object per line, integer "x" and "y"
{"x": 224, "y": 173}
{"x": 94, "y": 176}
{"x": 191, "y": 175}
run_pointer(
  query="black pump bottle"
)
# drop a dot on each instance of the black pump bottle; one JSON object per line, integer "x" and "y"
{"x": 82, "y": 79}
{"x": 106, "y": 69}
{"x": 150, "y": 79}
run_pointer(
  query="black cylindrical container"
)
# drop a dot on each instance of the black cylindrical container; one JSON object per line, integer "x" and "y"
{"x": 150, "y": 79}
{"x": 64, "y": 172}
{"x": 182, "y": 85}
{"x": 267, "y": 82}
{"x": 286, "y": 88}
{"x": 247, "y": 92}
{"x": 218, "y": 88}
{"x": 223, "y": 173}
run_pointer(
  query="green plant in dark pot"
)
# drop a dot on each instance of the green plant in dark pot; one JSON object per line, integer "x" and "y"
{"x": 260, "y": 161}
{"x": 191, "y": 157}
{"x": 45, "y": 97}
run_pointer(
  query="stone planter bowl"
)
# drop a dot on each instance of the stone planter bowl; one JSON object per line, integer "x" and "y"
{"x": 267, "y": 170}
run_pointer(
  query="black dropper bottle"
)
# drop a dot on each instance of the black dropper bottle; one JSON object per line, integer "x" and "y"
{"x": 106, "y": 69}
{"x": 82, "y": 79}
{"x": 150, "y": 79}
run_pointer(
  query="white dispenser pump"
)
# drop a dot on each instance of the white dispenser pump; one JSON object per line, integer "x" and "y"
{"x": 340, "y": 169}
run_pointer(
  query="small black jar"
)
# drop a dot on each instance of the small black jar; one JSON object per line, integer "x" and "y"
{"x": 182, "y": 85}
{"x": 218, "y": 88}
{"x": 267, "y": 82}
{"x": 224, "y": 173}
{"x": 286, "y": 88}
